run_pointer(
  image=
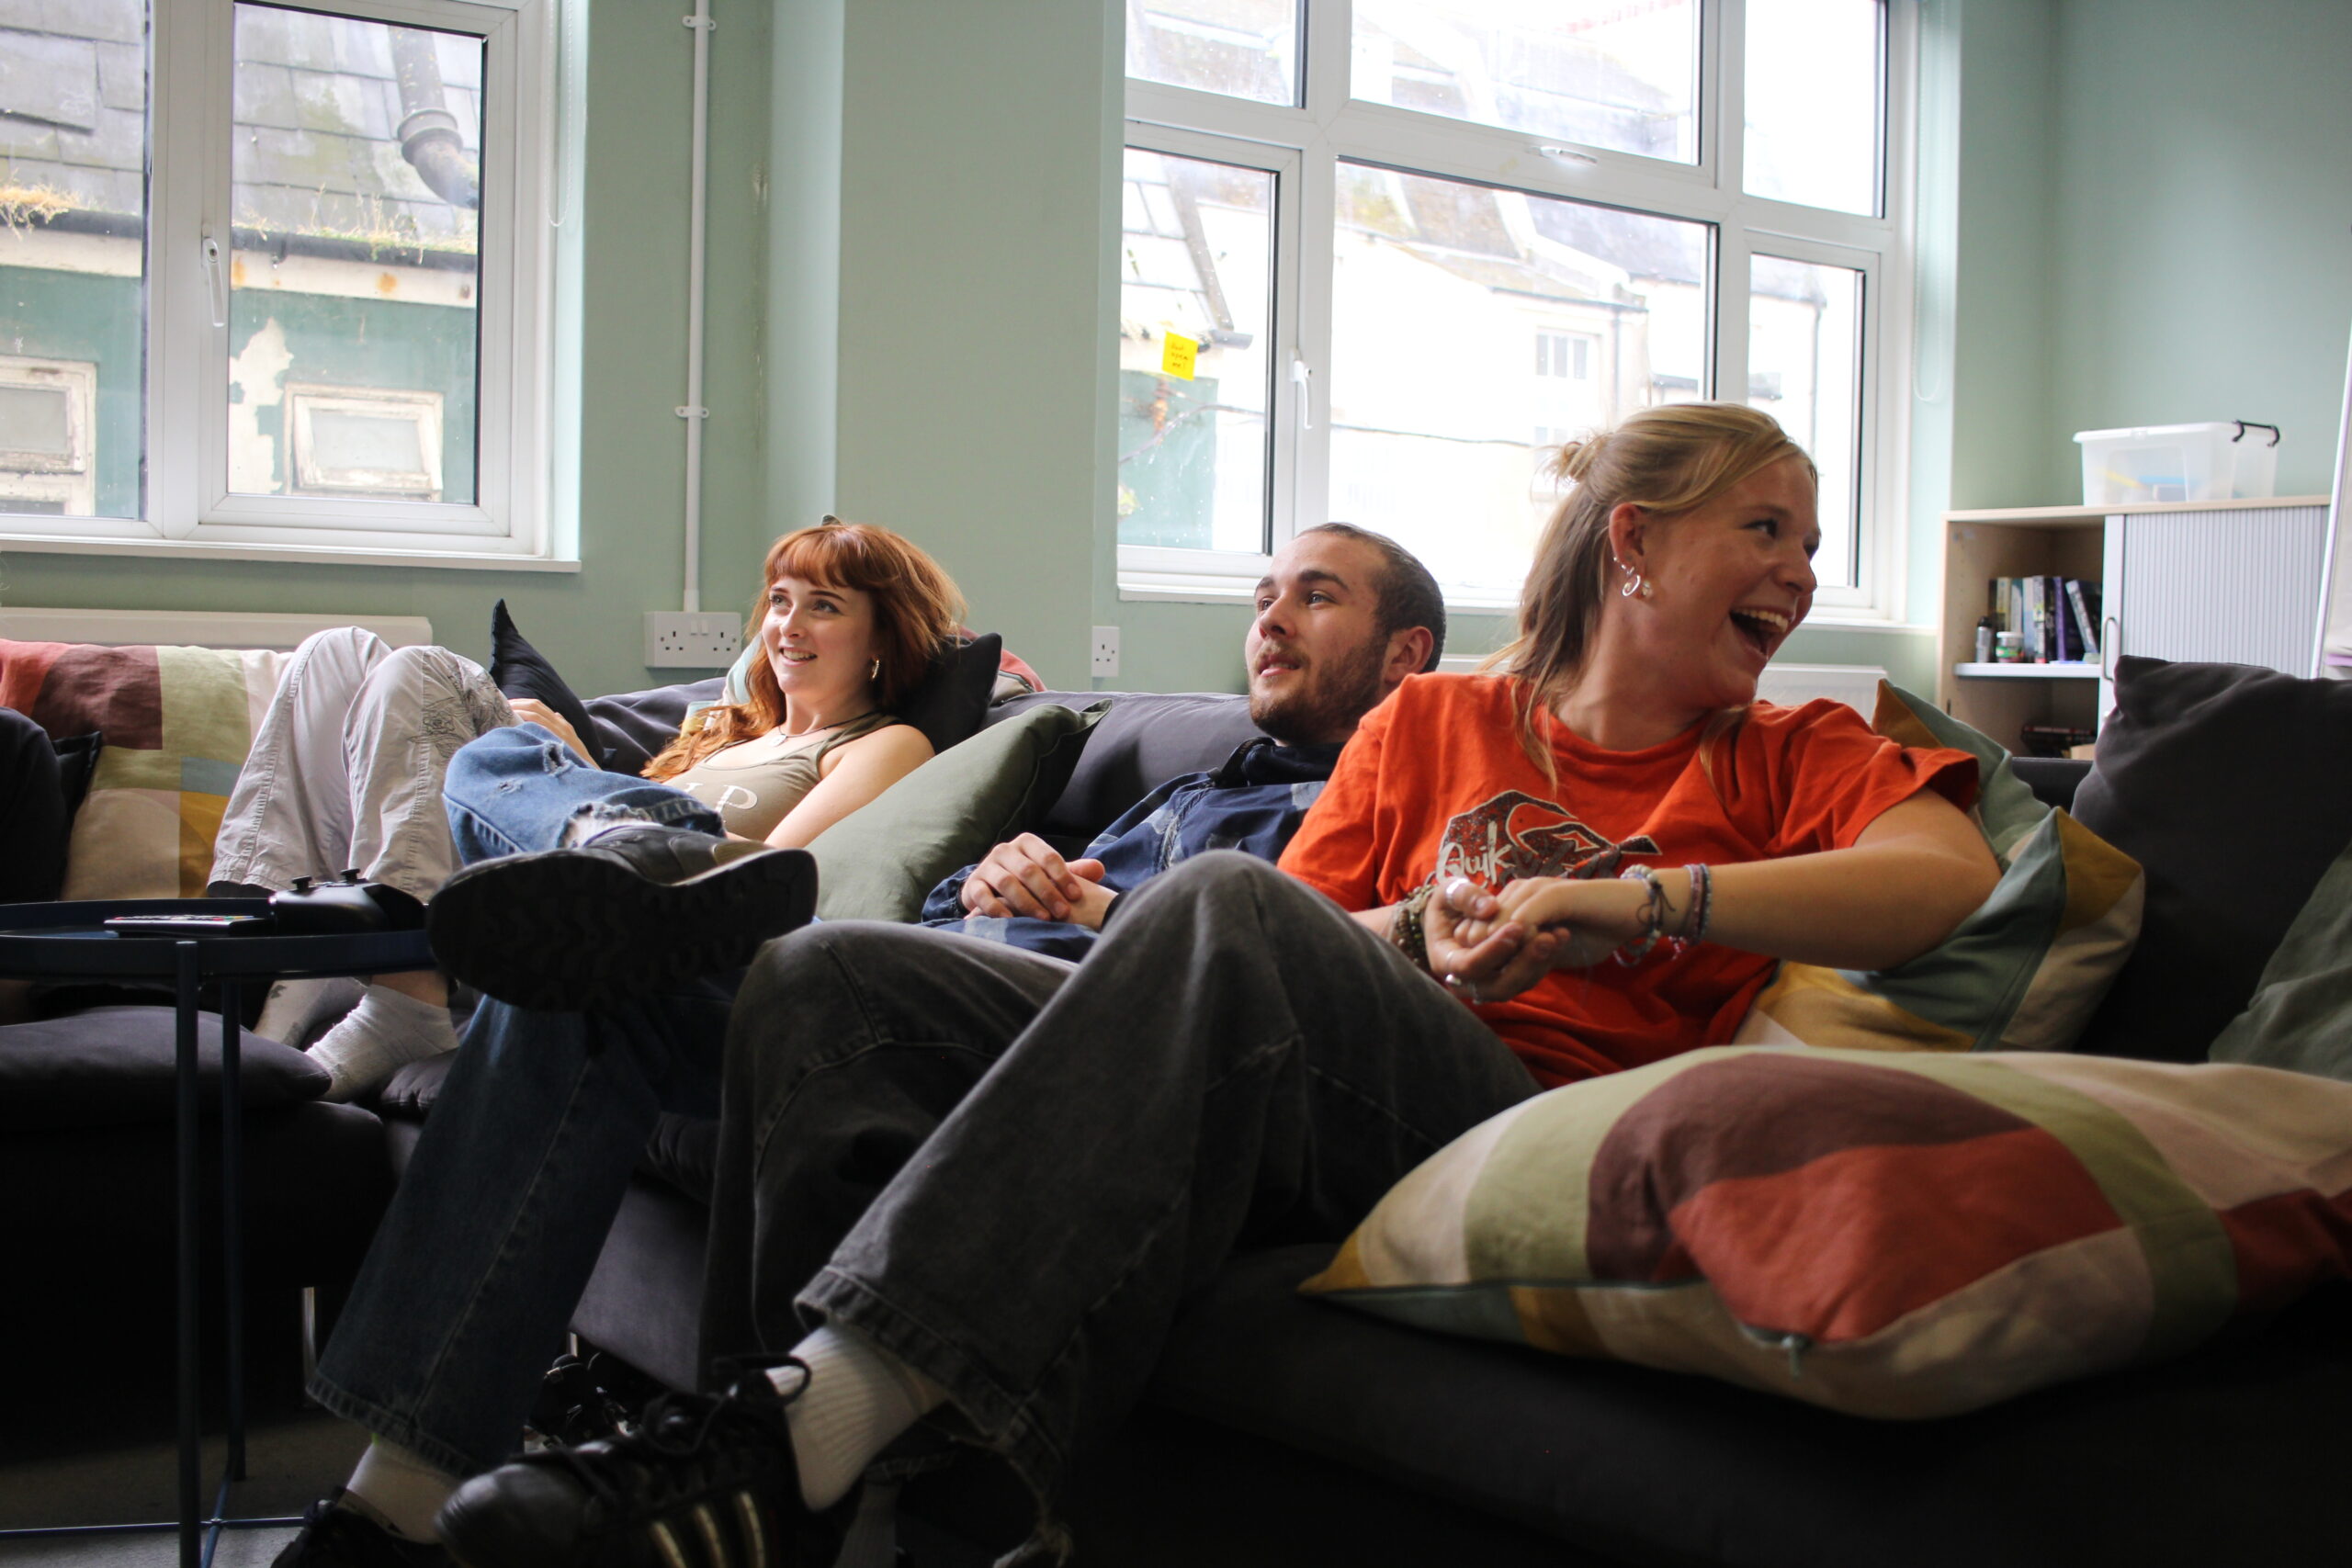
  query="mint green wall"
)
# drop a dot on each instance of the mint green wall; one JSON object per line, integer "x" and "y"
{"x": 2002, "y": 265}
{"x": 632, "y": 370}
{"x": 2203, "y": 221}
{"x": 801, "y": 356}
{"x": 978, "y": 178}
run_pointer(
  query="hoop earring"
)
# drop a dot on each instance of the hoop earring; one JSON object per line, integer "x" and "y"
{"x": 874, "y": 670}
{"x": 1633, "y": 584}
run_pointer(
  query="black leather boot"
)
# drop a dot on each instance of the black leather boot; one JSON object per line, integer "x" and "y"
{"x": 636, "y": 910}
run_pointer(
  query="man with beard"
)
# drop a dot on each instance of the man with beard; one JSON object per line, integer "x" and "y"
{"x": 1342, "y": 617}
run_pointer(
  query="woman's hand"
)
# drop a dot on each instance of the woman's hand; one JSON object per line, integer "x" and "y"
{"x": 1590, "y": 919}
{"x": 530, "y": 710}
{"x": 1482, "y": 955}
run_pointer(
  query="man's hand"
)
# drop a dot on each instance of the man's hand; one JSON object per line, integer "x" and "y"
{"x": 1482, "y": 955}
{"x": 530, "y": 710}
{"x": 1025, "y": 876}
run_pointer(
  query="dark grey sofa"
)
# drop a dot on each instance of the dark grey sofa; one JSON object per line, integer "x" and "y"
{"x": 1286, "y": 1432}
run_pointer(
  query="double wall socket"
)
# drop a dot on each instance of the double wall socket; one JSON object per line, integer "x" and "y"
{"x": 691, "y": 639}
{"x": 1107, "y": 650}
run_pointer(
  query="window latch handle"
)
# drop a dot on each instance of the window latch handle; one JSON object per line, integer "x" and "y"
{"x": 1303, "y": 379}
{"x": 215, "y": 278}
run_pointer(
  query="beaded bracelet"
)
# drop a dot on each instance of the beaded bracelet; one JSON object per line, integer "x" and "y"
{"x": 1702, "y": 904}
{"x": 1655, "y": 910}
{"x": 1653, "y": 915}
{"x": 1405, "y": 928}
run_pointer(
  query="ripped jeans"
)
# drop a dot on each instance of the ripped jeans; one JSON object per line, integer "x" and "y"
{"x": 515, "y": 791}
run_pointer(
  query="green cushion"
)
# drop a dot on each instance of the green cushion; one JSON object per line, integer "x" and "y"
{"x": 2023, "y": 973}
{"x": 879, "y": 862}
{"x": 2301, "y": 1015}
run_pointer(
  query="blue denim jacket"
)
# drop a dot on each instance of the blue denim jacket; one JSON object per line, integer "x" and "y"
{"x": 1253, "y": 803}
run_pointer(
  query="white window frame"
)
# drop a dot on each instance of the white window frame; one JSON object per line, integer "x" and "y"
{"x": 1328, "y": 128}
{"x": 307, "y": 475}
{"x": 188, "y": 505}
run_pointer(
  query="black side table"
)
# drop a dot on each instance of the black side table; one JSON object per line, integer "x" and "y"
{"x": 59, "y": 941}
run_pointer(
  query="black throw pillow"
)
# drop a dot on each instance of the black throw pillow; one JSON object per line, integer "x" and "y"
{"x": 2225, "y": 782}
{"x": 949, "y": 703}
{"x": 522, "y": 671}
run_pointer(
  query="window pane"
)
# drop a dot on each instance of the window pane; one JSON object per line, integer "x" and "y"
{"x": 1471, "y": 329}
{"x": 73, "y": 270}
{"x": 1813, "y": 102}
{"x": 1805, "y": 369}
{"x": 356, "y": 261}
{"x": 1246, "y": 48}
{"x": 1195, "y": 265}
{"x": 1601, "y": 72}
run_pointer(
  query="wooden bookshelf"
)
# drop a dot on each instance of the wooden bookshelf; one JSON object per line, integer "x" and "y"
{"x": 2087, "y": 542}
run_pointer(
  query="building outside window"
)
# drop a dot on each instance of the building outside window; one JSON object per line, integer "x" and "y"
{"x": 1358, "y": 217}
{"x": 301, "y": 256}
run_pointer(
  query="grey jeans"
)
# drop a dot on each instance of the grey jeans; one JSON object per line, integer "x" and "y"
{"x": 1012, "y": 1172}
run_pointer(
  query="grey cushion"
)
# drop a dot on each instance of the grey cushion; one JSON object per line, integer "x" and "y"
{"x": 114, "y": 1066}
{"x": 2227, "y": 783}
{"x": 1146, "y": 739}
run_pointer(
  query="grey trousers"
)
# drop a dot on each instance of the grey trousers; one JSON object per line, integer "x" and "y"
{"x": 1012, "y": 1172}
{"x": 346, "y": 768}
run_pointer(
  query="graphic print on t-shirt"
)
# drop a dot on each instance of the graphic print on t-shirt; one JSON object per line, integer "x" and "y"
{"x": 1514, "y": 835}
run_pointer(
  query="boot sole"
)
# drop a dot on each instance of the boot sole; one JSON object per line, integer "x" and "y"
{"x": 567, "y": 933}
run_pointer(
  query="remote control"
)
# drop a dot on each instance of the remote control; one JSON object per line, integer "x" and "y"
{"x": 190, "y": 925}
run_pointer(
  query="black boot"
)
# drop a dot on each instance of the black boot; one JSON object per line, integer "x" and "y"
{"x": 637, "y": 908}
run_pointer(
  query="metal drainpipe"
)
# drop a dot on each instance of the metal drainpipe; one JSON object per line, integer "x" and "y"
{"x": 428, "y": 132}
{"x": 692, "y": 411}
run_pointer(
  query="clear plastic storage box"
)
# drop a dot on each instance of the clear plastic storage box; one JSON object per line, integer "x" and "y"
{"x": 2223, "y": 460}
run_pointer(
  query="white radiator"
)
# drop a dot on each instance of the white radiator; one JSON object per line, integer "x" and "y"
{"x": 1856, "y": 685}
{"x": 199, "y": 628}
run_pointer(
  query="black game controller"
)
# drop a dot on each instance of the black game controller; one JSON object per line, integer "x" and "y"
{"x": 345, "y": 906}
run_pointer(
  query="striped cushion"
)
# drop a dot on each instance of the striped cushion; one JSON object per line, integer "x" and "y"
{"x": 178, "y": 723}
{"x": 2023, "y": 973}
{"x": 1889, "y": 1235}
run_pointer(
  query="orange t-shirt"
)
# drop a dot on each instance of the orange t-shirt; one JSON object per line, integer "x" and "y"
{"x": 1435, "y": 783}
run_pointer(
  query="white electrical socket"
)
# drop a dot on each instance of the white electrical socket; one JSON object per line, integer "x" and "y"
{"x": 1107, "y": 650}
{"x": 691, "y": 639}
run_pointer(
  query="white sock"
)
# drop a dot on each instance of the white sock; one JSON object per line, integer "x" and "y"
{"x": 384, "y": 1033}
{"x": 399, "y": 1491}
{"x": 858, "y": 1398}
{"x": 296, "y": 1008}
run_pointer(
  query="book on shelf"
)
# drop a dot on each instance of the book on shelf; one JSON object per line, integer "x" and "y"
{"x": 2056, "y": 619}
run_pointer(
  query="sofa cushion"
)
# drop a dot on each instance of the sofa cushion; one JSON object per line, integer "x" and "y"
{"x": 2195, "y": 759}
{"x": 114, "y": 1066}
{"x": 2234, "y": 1453}
{"x": 2301, "y": 1015}
{"x": 879, "y": 862}
{"x": 1889, "y": 1235}
{"x": 178, "y": 723}
{"x": 2023, "y": 973}
{"x": 1145, "y": 739}
{"x": 634, "y": 725}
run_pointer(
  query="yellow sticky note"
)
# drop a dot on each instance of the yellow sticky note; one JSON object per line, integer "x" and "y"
{"x": 1177, "y": 353}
